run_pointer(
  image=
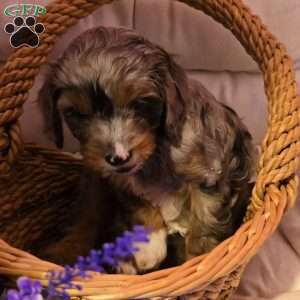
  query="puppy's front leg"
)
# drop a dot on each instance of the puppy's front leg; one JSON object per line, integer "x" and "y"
{"x": 152, "y": 253}
{"x": 210, "y": 222}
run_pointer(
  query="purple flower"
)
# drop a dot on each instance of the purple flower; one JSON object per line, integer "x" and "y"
{"x": 60, "y": 281}
{"x": 139, "y": 234}
{"x": 28, "y": 289}
{"x": 112, "y": 253}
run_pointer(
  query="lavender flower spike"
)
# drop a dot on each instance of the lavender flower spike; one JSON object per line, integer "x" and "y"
{"x": 28, "y": 289}
{"x": 60, "y": 281}
{"x": 112, "y": 253}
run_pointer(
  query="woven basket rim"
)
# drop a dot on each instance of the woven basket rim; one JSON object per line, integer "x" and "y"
{"x": 275, "y": 189}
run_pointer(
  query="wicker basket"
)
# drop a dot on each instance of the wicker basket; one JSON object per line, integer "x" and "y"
{"x": 36, "y": 183}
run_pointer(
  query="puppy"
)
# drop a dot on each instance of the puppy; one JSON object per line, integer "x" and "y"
{"x": 152, "y": 132}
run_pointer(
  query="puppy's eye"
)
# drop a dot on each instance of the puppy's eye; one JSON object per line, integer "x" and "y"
{"x": 72, "y": 113}
{"x": 150, "y": 109}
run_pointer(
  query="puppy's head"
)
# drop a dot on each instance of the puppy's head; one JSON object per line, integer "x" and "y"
{"x": 119, "y": 94}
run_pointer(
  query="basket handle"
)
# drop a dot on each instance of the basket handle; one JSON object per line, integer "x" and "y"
{"x": 280, "y": 148}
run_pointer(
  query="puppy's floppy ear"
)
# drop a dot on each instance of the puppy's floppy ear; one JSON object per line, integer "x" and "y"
{"x": 176, "y": 98}
{"x": 241, "y": 151}
{"x": 48, "y": 99}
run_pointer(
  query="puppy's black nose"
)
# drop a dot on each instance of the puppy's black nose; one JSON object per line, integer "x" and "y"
{"x": 115, "y": 160}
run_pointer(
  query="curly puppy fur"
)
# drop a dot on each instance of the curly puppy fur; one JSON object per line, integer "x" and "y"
{"x": 152, "y": 132}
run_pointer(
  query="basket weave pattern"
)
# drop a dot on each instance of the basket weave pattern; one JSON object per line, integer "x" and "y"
{"x": 36, "y": 183}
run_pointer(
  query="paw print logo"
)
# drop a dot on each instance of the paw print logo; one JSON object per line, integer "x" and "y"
{"x": 24, "y": 32}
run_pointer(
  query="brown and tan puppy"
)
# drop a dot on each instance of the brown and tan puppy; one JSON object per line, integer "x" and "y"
{"x": 152, "y": 132}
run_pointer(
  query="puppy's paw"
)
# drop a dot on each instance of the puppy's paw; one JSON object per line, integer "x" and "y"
{"x": 126, "y": 267}
{"x": 151, "y": 254}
